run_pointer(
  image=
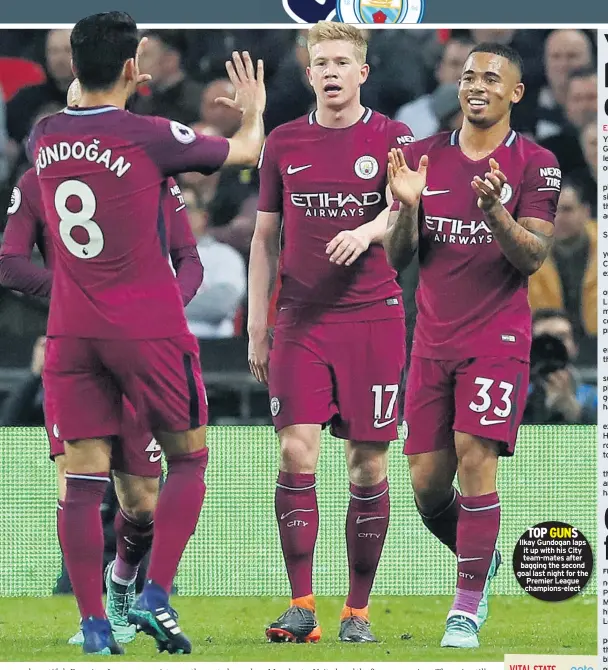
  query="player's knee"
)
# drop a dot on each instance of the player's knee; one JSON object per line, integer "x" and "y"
{"x": 475, "y": 455}
{"x": 185, "y": 442}
{"x": 430, "y": 487}
{"x": 140, "y": 509}
{"x": 298, "y": 455}
{"x": 367, "y": 463}
{"x": 140, "y": 517}
{"x": 137, "y": 496}
{"x": 90, "y": 455}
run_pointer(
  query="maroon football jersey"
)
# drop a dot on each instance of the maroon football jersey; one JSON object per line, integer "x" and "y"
{"x": 103, "y": 179}
{"x": 25, "y": 229}
{"x": 471, "y": 301}
{"x": 323, "y": 181}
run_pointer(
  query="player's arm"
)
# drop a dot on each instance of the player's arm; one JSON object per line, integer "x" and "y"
{"x": 188, "y": 271}
{"x": 184, "y": 255}
{"x": 525, "y": 242}
{"x": 348, "y": 245}
{"x": 246, "y": 144}
{"x": 263, "y": 259}
{"x": 17, "y": 271}
{"x": 263, "y": 256}
{"x": 176, "y": 148}
{"x": 401, "y": 238}
{"x": 528, "y": 241}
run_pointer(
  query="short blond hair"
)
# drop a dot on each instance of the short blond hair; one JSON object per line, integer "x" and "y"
{"x": 325, "y": 31}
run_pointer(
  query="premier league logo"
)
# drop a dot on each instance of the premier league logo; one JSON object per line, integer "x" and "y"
{"x": 15, "y": 202}
{"x": 380, "y": 11}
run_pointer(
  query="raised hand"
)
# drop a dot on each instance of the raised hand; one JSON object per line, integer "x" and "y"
{"x": 488, "y": 190}
{"x": 141, "y": 78}
{"x": 406, "y": 185}
{"x": 250, "y": 96}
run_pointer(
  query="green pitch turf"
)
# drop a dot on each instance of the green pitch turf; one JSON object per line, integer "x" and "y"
{"x": 232, "y": 629}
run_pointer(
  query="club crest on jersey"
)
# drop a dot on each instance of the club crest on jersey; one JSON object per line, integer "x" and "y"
{"x": 506, "y": 194}
{"x": 310, "y": 11}
{"x": 15, "y": 202}
{"x": 380, "y": 11}
{"x": 182, "y": 133}
{"x": 275, "y": 406}
{"x": 366, "y": 167}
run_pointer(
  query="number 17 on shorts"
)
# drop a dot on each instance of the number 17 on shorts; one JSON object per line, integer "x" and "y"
{"x": 385, "y": 404}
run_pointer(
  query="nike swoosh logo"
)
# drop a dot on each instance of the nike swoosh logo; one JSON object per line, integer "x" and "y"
{"x": 484, "y": 421}
{"x": 293, "y": 170}
{"x": 368, "y": 518}
{"x": 382, "y": 424}
{"x": 462, "y": 559}
{"x": 293, "y": 511}
{"x": 426, "y": 191}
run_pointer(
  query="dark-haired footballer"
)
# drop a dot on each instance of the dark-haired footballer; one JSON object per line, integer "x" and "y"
{"x": 116, "y": 323}
{"x": 477, "y": 205}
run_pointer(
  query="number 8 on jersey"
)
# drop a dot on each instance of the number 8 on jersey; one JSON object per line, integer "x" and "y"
{"x": 69, "y": 220}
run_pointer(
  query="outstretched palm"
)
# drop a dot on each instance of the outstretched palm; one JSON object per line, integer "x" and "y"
{"x": 406, "y": 185}
{"x": 250, "y": 92}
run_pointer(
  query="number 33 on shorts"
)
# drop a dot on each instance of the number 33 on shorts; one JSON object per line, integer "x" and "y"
{"x": 493, "y": 401}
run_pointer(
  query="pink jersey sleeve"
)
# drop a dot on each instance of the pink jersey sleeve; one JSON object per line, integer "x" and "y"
{"x": 179, "y": 225}
{"x": 541, "y": 187}
{"x": 401, "y": 135}
{"x": 182, "y": 245}
{"x": 23, "y": 217}
{"x": 176, "y": 148}
{"x": 271, "y": 180}
{"x": 22, "y": 233}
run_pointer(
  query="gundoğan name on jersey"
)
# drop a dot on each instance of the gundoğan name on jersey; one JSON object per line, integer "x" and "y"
{"x": 91, "y": 152}
{"x": 335, "y": 206}
{"x": 457, "y": 231}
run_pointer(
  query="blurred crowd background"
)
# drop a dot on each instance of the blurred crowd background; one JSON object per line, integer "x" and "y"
{"x": 414, "y": 75}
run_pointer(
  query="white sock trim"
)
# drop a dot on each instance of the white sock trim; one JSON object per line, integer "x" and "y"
{"x": 296, "y": 488}
{"x": 89, "y": 477}
{"x": 379, "y": 495}
{"x": 442, "y": 510}
{"x": 479, "y": 509}
{"x": 126, "y": 517}
{"x": 119, "y": 580}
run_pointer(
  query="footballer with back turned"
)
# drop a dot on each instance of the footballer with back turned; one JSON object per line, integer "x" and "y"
{"x": 338, "y": 351}
{"x": 477, "y": 205}
{"x": 116, "y": 322}
{"x": 136, "y": 457}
